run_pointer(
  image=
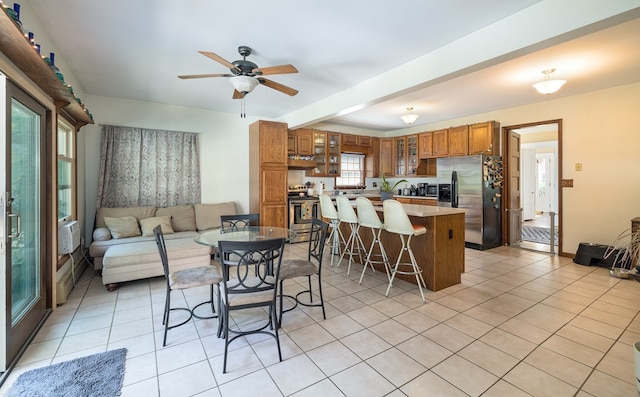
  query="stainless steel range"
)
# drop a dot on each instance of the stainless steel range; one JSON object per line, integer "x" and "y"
{"x": 302, "y": 209}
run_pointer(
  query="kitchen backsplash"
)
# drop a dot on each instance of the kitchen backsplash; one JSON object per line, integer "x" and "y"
{"x": 297, "y": 177}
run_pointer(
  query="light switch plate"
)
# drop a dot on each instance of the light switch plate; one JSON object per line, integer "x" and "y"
{"x": 567, "y": 183}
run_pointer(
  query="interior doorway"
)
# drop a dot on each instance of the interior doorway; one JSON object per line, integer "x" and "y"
{"x": 534, "y": 196}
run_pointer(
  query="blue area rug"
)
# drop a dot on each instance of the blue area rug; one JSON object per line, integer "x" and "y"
{"x": 538, "y": 235}
{"x": 98, "y": 375}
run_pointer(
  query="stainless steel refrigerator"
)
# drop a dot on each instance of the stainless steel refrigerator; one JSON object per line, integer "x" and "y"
{"x": 474, "y": 183}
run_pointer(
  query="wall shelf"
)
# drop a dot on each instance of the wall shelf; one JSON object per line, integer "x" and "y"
{"x": 15, "y": 46}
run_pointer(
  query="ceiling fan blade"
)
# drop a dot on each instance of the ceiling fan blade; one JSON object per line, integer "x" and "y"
{"x": 219, "y": 59}
{"x": 237, "y": 94}
{"x": 281, "y": 69}
{"x": 200, "y": 76}
{"x": 278, "y": 87}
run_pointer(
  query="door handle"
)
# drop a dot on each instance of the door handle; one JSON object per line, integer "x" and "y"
{"x": 18, "y": 230}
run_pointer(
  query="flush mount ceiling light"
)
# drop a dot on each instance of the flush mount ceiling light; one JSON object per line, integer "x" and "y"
{"x": 244, "y": 84}
{"x": 409, "y": 117}
{"x": 549, "y": 85}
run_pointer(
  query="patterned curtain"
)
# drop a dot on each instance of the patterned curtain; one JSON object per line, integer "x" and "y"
{"x": 142, "y": 167}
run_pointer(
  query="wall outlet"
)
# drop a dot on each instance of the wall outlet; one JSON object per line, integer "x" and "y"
{"x": 578, "y": 166}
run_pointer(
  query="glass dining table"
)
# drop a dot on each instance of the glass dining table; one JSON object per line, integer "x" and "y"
{"x": 252, "y": 233}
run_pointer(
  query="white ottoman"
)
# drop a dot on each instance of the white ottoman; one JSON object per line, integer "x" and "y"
{"x": 134, "y": 261}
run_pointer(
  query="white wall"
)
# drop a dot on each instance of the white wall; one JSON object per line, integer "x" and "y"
{"x": 224, "y": 146}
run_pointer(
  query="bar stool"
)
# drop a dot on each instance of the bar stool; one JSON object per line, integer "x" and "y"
{"x": 368, "y": 217}
{"x": 354, "y": 245}
{"x": 329, "y": 212}
{"x": 397, "y": 221}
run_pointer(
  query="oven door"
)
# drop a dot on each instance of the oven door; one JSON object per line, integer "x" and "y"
{"x": 302, "y": 212}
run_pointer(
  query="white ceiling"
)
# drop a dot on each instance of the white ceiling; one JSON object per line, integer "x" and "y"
{"x": 135, "y": 49}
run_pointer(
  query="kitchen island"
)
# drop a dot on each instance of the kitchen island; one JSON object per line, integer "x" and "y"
{"x": 439, "y": 252}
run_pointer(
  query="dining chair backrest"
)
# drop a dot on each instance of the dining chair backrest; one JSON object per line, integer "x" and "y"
{"x": 317, "y": 240}
{"x": 254, "y": 269}
{"x": 367, "y": 215}
{"x": 327, "y": 208}
{"x": 346, "y": 213}
{"x": 237, "y": 222}
{"x": 396, "y": 219}
{"x": 162, "y": 250}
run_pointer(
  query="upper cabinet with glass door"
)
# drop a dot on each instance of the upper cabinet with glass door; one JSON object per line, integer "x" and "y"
{"x": 406, "y": 155}
{"x": 326, "y": 149}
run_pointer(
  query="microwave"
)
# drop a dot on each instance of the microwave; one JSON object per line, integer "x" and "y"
{"x": 431, "y": 191}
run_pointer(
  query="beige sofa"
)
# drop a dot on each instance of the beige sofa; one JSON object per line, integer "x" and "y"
{"x": 124, "y": 247}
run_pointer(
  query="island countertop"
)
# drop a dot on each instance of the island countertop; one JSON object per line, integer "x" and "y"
{"x": 423, "y": 211}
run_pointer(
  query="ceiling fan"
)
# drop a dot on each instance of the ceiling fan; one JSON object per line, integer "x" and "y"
{"x": 246, "y": 75}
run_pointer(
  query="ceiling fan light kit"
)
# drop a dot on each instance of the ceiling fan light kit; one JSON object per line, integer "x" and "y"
{"x": 409, "y": 117}
{"x": 244, "y": 84}
{"x": 549, "y": 85}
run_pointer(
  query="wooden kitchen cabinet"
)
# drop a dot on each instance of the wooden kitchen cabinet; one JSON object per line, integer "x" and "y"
{"x": 434, "y": 144}
{"x": 349, "y": 140}
{"x": 406, "y": 155}
{"x": 372, "y": 159}
{"x": 333, "y": 154}
{"x": 386, "y": 156}
{"x": 356, "y": 140}
{"x": 484, "y": 138}
{"x": 268, "y": 172}
{"x": 300, "y": 142}
{"x": 326, "y": 149}
{"x": 459, "y": 141}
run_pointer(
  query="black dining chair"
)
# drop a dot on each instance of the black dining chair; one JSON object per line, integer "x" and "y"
{"x": 184, "y": 279}
{"x": 312, "y": 266}
{"x": 248, "y": 282}
{"x": 237, "y": 222}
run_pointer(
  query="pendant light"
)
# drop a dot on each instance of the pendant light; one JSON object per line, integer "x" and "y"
{"x": 549, "y": 85}
{"x": 409, "y": 117}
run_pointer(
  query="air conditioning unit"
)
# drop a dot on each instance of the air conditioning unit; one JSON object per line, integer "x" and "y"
{"x": 68, "y": 237}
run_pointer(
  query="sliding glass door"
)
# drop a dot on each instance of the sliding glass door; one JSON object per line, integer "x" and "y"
{"x": 22, "y": 198}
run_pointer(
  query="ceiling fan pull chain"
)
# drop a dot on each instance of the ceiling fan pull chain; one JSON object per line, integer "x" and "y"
{"x": 243, "y": 114}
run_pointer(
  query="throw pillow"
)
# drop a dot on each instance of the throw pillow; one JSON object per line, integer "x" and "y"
{"x": 183, "y": 217}
{"x": 127, "y": 226}
{"x": 149, "y": 224}
{"x": 208, "y": 215}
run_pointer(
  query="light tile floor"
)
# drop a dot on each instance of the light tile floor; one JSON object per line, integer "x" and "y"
{"x": 521, "y": 323}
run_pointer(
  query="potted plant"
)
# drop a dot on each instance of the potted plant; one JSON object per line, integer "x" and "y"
{"x": 386, "y": 190}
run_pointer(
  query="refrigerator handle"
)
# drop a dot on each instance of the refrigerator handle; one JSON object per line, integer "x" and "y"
{"x": 454, "y": 189}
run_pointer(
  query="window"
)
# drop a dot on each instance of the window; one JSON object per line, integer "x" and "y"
{"x": 351, "y": 170}
{"x": 66, "y": 171}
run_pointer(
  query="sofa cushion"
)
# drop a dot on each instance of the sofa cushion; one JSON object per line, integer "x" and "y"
{"x": 183, "y": 217}
{"x": 127, "y": 226}
{"x": 98, "y": 248}
{"x": 208, "y": 215}
{"x": 134, "y": 254}
{"x": 147, "y": 225}
{"x": 136, "y": 212}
